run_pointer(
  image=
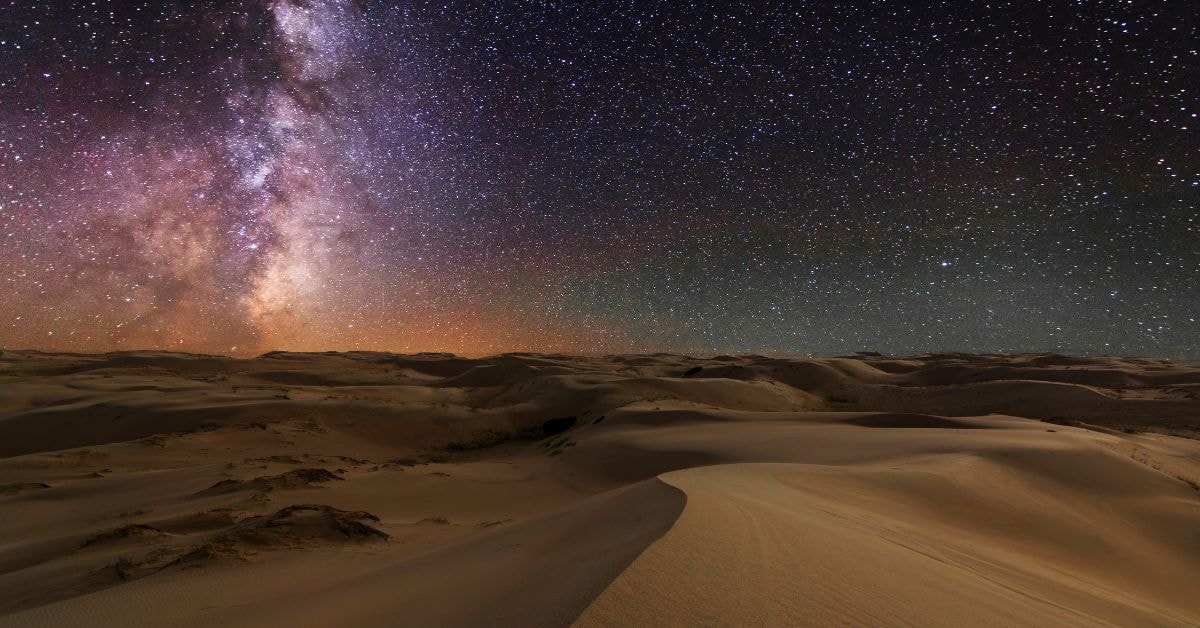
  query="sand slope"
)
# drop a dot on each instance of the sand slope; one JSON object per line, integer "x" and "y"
{"x": 147, "y": 489}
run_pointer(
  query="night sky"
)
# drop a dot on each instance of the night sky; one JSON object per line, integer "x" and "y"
{"x": 480, "y": 177}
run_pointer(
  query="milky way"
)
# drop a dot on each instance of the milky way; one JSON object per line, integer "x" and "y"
{"x": 590, "y": 177}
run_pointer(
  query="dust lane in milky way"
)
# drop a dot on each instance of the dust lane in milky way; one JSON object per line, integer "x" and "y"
{"x": 488, "y": 176}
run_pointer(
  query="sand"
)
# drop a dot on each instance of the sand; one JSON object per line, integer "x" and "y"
{"x": 371, "y": 489}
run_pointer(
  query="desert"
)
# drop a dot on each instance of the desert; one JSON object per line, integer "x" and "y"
{"x": 375, "y": 313}
{"x": 377, "y": 489}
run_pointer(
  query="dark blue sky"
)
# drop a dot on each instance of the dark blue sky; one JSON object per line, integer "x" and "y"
{"x": 601, "y": 176}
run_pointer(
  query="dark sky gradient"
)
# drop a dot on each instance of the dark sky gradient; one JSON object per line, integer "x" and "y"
{"x": 600, "y": 176}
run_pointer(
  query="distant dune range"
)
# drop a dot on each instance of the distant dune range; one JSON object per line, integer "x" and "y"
{"x": 372, "y": 489}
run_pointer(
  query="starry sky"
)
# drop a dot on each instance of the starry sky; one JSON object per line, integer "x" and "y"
{"x": 600, "y": 176}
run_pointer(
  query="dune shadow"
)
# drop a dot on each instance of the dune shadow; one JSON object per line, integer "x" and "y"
{"x": 898, "y": 420}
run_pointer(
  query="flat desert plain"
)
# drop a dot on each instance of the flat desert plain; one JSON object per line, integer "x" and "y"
{"x": 371, "y": 489}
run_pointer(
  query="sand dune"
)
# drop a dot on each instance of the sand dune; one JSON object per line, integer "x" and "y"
{"x": 150, "y": 488}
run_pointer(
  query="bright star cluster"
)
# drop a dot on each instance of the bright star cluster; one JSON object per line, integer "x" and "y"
{"x": 489, "y": 176}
